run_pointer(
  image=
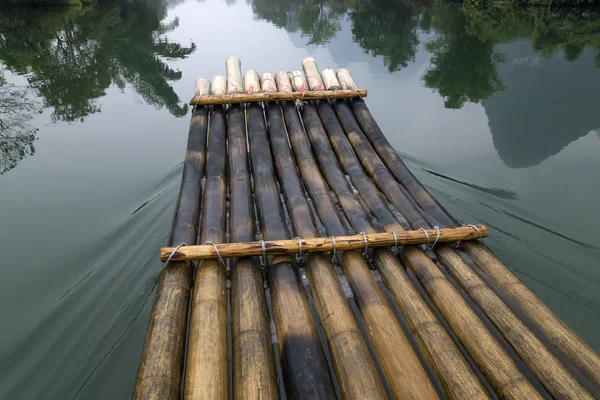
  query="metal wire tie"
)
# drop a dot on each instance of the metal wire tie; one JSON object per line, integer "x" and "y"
{"x": 217, "y": 251}
{"x": 395, "y": 240}
{"x": 174, "y": 251}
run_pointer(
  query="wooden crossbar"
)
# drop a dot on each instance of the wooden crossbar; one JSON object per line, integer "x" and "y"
{"x": 237, "y": 98}
{"x": 323, "y": 244}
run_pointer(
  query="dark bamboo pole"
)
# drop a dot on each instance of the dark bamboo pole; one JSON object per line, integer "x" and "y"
{"x": 576, "y": 350}
{"x": 391, "y": 159}
{"x": 254, "y": 373}
{"x": 496, "y": 365}
{"x": 161, "y": 366}
{"x": 349, "y": 352}
{"x": 305, "y": 370}
{"x": 456, "y": 376}
{"x": 206, "y": 375}
{"x": 405, "y": 374}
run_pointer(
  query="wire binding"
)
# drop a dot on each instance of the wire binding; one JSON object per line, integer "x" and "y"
{"x": 426, "y": 236}
{"x": 364, "y": 235}
{"x": 476, "y": 229}
{"x": 333, "y": 254}
{"x": 395, "y": 241}
{"x": 299, "y": 257}
{"x": 437, "y": 237}
{"x": 174, "y": 251}
{"x": 263, "y": 259}
{"x": 218, "y": 254}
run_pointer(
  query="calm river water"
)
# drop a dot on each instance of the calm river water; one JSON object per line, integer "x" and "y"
{"x": 498, "y": 114}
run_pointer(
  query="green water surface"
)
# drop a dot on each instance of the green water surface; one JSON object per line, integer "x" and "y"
{"x": 497, "y": 112}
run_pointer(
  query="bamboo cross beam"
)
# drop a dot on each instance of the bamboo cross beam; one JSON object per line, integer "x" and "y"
{"x": 324, "y": 244}
{"x": 237, "y": 98}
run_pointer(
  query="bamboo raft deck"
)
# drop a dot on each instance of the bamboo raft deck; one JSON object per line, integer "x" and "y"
{"x": 306, "y": 261}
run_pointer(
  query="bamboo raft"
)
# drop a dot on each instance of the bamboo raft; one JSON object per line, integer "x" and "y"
{"x": 357, "y": 283}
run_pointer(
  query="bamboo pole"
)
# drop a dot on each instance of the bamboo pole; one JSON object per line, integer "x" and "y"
{"x": 348, "y": 350}
{"x": 305, "y": 370}
{"x": 323, "y": 244}
{"x": 551, "y": 373}
{"x": 254, "y": 373}
{"x": 160, "y": 371}
{"x": 206, "y": 374}
{"x": 496, "y": 365}
{"x": 405, "y": 374}
{"x": 275, "y": 96}
{"x": 456, "y": 376}
{"x": 572, "y": 346}
{"x": 581, "y": 354}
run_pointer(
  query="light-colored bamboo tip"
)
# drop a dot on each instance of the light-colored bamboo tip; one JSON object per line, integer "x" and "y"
{"x": 267, "y": 83}
{"x": 219, "y": 85}
{"x": 233, "y": 66}
{"x": 330, "y": 80}
{"x": 283, "y": 81}
{"x": 299, "y": 81}
{"x": 313, "y": 76}
{"x": 346, "y": 80}
{"x": 308, "y": 60}
{"x": 201, "y": 87}
{"x": 251, "y": 82}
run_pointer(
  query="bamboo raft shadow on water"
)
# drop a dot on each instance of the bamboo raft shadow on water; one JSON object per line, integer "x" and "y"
{"x": 300, "y": 155}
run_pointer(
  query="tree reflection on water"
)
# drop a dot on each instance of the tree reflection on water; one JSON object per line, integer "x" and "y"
{"x": 71, "y": 56}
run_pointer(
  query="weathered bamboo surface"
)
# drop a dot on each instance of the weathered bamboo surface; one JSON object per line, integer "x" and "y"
{"x": 560, "y": 335}
{"x": 254, "y": 374}
{"x": 537, "y": 357}
{"x": 405, "y": 374}
{"x": 302, "y": 151}
{"x": 323, "y": 244}
{"x": 206, "y": 375}
{"x": 303, "y": 362}
{"x": 275, "y": 96}
{"x": 161, "y": 366}
{"x": 347, "y": 347}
